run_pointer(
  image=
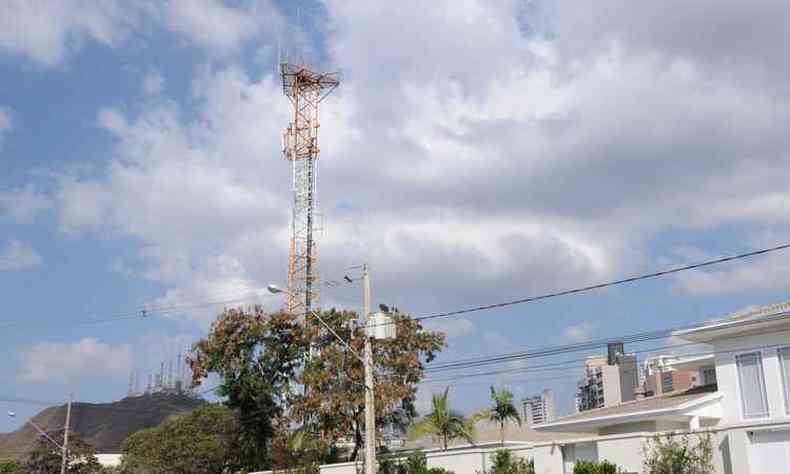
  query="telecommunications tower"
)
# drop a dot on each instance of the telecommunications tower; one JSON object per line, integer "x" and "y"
{"x": 305, "y": 89}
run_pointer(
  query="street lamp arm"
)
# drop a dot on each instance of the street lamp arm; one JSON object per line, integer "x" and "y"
{"x": 45, "y": 434}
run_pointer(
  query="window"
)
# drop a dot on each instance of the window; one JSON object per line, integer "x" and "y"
{"x": 708, "y": 375}
{"x": 784, "y": 364}
{"x": 752, "y": 382}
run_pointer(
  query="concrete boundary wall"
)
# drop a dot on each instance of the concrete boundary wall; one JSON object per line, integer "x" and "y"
{"x": 730, "y": 448}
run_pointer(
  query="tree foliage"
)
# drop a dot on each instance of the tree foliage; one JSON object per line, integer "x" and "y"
{"x": 443, "y": 423}
{"x": 256, "y": 356}
{"x": 679, "y": 455}
{"x": 45, "y": 457}
{"x": 505, "y": 462}
{"x": 202, "y": 441}
{"x": 503, "y": 410}
{"x": 415, "y": 463}
{"x": 599, "y": 467}
{"x": 280, "y": 373}
{"x": 8, "y": 466}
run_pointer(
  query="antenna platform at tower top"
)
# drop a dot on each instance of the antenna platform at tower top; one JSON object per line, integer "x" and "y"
{"x": 298, "y": 78}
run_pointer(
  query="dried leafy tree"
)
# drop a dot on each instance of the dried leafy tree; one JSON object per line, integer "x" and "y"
{"x": 256, "y": 356}
{"x": 281, "y": 373}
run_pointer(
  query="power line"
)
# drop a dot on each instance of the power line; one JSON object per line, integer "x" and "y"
{"x": 599, "y": 286}
{"x": 558, "y": 350}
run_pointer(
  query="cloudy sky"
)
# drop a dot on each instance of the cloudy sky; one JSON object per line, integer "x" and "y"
{"x": 476, "y": 151}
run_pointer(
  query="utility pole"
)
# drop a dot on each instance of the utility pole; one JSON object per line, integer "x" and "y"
{"x": 370, "y": 409}
{"x": 65, "y": 449}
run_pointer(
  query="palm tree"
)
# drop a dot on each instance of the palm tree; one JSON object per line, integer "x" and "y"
{"x": 503, "y": 410}
{"x": 443, "y": 423}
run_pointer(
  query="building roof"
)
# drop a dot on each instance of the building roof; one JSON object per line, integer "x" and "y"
{"x": 746, "y": 322}
{"x": 638, "y": 410}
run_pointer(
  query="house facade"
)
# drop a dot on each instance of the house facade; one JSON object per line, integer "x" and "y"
{"x": 746, "y": 412}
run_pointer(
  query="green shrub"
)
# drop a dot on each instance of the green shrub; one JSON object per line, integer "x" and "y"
{"x": 415, "y": 463}
{"x": 8, "y": 466}
{"x": 504, "y": 462}
{"x": 591, "y": 467}
{"x": 679, "y": 455}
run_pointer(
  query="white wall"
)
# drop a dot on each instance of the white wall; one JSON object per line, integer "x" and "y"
{"x": 625, "y": 452}
{"x": 726, "y": 374}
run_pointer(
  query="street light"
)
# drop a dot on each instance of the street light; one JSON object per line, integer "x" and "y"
{"x": 367, "y": 361}
{"x": 41, "y": 432}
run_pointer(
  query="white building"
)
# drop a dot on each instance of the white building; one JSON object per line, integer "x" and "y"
{"x": 538, "y": 409}
{"x": 747, "y": 412}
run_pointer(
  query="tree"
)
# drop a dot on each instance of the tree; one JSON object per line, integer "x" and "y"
{"x": 673, "y": 454}
{"x": 205, "y": 440}
{"x": 256, "y": 355}
{"x": 45, "y": 457}
{"x": 259, "y": 356}
{"x": 334, "y": 404}
{"x": 8, "y": 466}
{"x": 503, "y": 410}
{"x": 443, "y": 423}
{"x": 504, "y": 462}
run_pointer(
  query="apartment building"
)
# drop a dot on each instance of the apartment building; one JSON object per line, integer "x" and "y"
{"x": 609, "y": 380}
{"x": 538, "y": 409}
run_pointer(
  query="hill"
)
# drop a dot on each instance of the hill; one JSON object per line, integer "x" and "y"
{"x": 104, "y": 425}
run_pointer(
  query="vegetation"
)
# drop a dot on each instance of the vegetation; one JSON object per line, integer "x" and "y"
{"x": 299, "y": 452}
{"x": 591, "y": 467}
{"x": 203, "y": 441}
{"x": 45, "y": 457}
{"x": 415, "y": 463}
{"x": 503, "y": 410}
{"x": 679, "y": 455}
{"x": 8, "y": 466}
{"x": 504, "y": 462}
{"x": 443, "y": 423}
{"x": 258, "y": 356}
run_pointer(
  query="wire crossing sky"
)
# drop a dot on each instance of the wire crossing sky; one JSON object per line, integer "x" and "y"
{"x": 478, "y": 156}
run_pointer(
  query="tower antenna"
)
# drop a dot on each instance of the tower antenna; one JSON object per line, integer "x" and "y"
{"x": 305, "y": 89}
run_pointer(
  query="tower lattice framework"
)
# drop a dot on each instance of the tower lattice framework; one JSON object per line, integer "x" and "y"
{"x": 305, "y": 89}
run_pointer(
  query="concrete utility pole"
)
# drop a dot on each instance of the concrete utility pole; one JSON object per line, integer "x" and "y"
{"x": 370, "y": 407}
{"x": 65, "y": 448}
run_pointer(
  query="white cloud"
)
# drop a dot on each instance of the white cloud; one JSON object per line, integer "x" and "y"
{"x": 88, "y": 357}
{"x": 18, "y": 255}
{"x": 219, "y": 27}
{"x": 579, "y": 332}
{"x": 153, "y": 82}
{"x": 481, "y": 174}
{"x": 453, "y": 328}
{"x": 23, "y": 204}
{"x": 765, "y": 274}
{"x": 47, "y": 32}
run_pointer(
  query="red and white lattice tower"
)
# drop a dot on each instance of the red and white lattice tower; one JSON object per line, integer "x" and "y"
{"x": 305, "y": 89}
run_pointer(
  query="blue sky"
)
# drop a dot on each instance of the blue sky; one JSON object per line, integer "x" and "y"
{"x": 475, "y": 152}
